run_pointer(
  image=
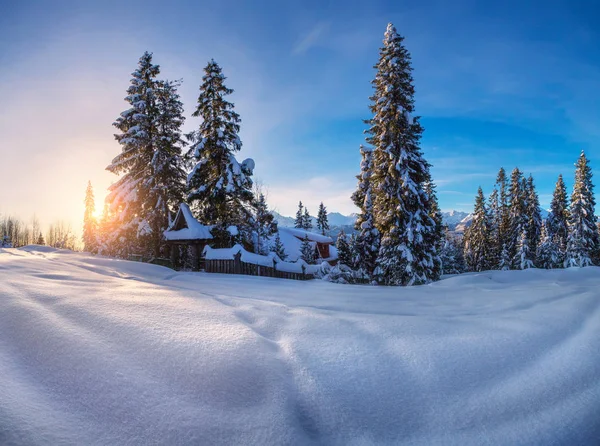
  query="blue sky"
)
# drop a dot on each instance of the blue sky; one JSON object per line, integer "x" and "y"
{"x": 498, "y": 84}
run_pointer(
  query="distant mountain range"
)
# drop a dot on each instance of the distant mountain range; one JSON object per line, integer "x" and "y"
{"x": 456, "y": 221}
{"x": 335, "y": 220}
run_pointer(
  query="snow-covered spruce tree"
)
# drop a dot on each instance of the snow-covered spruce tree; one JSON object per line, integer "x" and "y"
{"x": 495, "y": 214}
{"x": 166, "y": 185}
{"x": 322, "y": 220}
{"x": 299, "y": 222}
{"x": 219, "y": 189}
{"x": 503, "y": 217}
{"x": 558, "y": 220}
{"x": 524, "y": 256}
{"x": 453, "y": 261}
{"x": 264, "y": 224}
{"x": 5, "y": 242}
{"x": 366, "y": 244}
{"x": 436, "y": 238}
{"x": 278, "y": 248}
{"x": 517, "y": 214}
{"x": 343, "y": 249}
{"x": 534, "y": 217}
{"x": 307, "y": 251}
{"x": 476, "y": 238}
{"x": 407, "y": 254}
{"x": 583, "y": 241}
{"x": 138, "y": 137}
{"x": 505, "y": 261}
{"x": 90, "y": 225}
{"x": 306, "y": 220}
{"x": 547, "y": 253}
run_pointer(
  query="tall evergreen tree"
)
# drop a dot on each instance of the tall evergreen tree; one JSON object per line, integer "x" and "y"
{"x": 534, "y": 217}
{"x": 299, "y": 222}
{"x": 166, "y": 183}
{"x": 138, "y": 138}
{"x": 366, "y": 245}
{"x": 278, "y": 248}
{"x": 524, "y": 256}
{"x": 547, "y": 254}
{"x": 264, "y": 224}
{"x": 582, "y": 242}
{"x": 40, "y": 240}
{"x": 558, "y": 220}
{"x": 505, "y": 262}
{"x": 476, "y": 238}
{"x": 322, "y": 219}
{"x": 306, "y": 220}
{"x": 400, "y": 204}
{"x": 495, "y": 213}
{"x": 90, "y": 225}
{"x": 516, "y": 213}
{"x": 452, "y": 256}
{"x": 307, "y": 251}
{"x": 343, "y": 250}
{"x": 218, "y": 187}
{"x": 436, "y": 238}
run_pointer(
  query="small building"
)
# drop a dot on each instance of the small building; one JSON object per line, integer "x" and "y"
{"x": 291, "y": 238}
{"x": 186, "y": 231}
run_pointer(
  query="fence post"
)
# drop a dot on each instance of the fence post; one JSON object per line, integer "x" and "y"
{"x": 237, "y": 263}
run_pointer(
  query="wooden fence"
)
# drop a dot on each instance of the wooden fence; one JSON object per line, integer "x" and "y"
{"x": 236, "y": 266}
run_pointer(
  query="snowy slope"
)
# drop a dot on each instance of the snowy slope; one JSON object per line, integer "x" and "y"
{"x": 96, "y": 351}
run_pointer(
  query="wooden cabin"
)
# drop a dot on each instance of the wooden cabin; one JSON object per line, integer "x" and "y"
{"x": 322, "y": 243}
{"x": 185, "y": 230}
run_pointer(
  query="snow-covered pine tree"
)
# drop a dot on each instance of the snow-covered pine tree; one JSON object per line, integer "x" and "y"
{"x": 307, "y": 252}
{"x": 5, "y": 242}
{"x": 299, "y": 222}
{"x": 523, "y": 257}
{"x": 517, "y": 214}
{"x": 558, "y": 220}
{"x": 476, "y": 238}
{"x": 366, "y": 245}
{"x": 90, "y": 225}
{"x": 343, "y": 249}
{"x": 534, "y": 217}
{"x": 582, "y": 241}
{"x": 453, "y": 261}
{"x": 264, "y": 225}
{"x": 436, "y": 238}
{"x": 400, "y": 204}
{"x": 505, "y": 261}
{"x": 219, "y": 189}
{"x": 278, "y": 248}
{"x": 40, "y": 240}
{"x": 137, "y": 138}
{"x": 547, "y": 253}
{"x": 494, "y": 210}
{"x": 306, "y": 220}
{"x": 322, "y": 219}
{"x": 503, "y": 219}
{"x": 166, "y": 183}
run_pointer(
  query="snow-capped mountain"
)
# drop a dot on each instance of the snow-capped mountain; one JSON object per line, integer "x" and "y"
{"x": 466, "y": 221}
{"x": 453, "y": 218}
{"x": 337, "y": 221}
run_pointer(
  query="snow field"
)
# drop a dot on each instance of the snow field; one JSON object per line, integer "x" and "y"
{"x": 102, "y": 352}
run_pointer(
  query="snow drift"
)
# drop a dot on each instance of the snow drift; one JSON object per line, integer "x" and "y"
{"x": 100, "y": 352}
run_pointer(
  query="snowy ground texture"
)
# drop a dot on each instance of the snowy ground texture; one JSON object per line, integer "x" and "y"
{"x": 103, "y": 352}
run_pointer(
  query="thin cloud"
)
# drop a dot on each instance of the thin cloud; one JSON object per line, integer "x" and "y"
{"x": 311, "y": 39}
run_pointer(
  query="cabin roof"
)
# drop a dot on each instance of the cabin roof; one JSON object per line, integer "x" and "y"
{"x": 186, "y": 227}
{"x": 313, "y": 237}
